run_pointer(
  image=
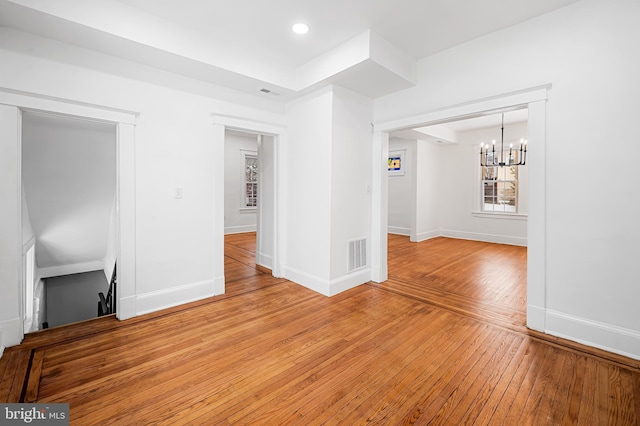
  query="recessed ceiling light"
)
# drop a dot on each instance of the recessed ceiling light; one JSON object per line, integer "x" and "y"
{"x": 300, "y": 28}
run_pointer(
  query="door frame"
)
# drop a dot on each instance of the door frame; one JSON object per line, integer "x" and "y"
{"x": 535, "y": 99}
{"x": 222, "y": 122}
{"x": 125, "y": 185}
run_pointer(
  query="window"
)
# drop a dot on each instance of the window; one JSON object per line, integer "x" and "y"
{"x": 499, "y": 188}
{"x": 250, "y": 180}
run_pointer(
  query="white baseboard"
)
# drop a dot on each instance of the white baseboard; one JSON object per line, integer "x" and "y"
{"x": 219, "y": 285}
{"x": 423, "y": 236}
{"x": 379, "y": 274}
{"x": 535, "y": 318}
{"x": 174, "y": 296}
{"x": 11, "y": 332}
{"x": 76, "y": 268}
{"x": 488, "y": 238}
{"x": 347, "y": 282}
{"x": 328, "y": 287}
{"x": 397, "y": 230}
{"x": 264, "y": 260}
{"x": 611, "y": 338}
{"x": 126, "y": 307}
{"x": 239, "y": 229}
{"x": 463, "y": 235}
{"x": 311, "y": 282}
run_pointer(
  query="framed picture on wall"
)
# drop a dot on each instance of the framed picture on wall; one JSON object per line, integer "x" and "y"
{"x": 396, "y": 163}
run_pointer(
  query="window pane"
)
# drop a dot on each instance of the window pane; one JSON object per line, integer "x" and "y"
{"x": 499, "y": 189}
{"x": 251, "y": 194}
{"x": 251, "y": 180}
{"x": 251, "y": 169}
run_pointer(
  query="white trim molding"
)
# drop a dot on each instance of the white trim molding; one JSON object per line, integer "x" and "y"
{"x": 76, "y": 268}
{"x": 239, "y": 229}
{"x": 125, "y": 148}
{"x": 349, "y": 281}
{"x": 424, "y": 236}
{"x": 487, "y": 238}
{"x": 309, "y": 281}
{"x": 399, "y": 230}
{"x": 499, "y": 215}
{"x": 619, "y": 340}
{"x": 264, "y": 260}
{"x": 247, "y": 124}
{"x": 51, "y": 104}
{"x": 221, "y": 122}
{"x": 174, "y": 296}
{"x": 218, "y": 285}
{"x": 10, "y": 332}
{"x": 535, "y": 100}
{"x": 328, "y": 287}
{"x": 466, "y": 110}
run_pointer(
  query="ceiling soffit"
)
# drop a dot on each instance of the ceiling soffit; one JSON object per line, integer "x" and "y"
{"x": 366, "y": 63}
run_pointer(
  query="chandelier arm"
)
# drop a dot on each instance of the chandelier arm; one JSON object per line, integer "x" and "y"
{"x": 502, "y": 162}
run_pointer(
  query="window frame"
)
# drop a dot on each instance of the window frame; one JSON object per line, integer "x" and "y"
{"x": 497, "y": 182}
{"x": 478, "y": 194}
{"x": 244, "y": 206}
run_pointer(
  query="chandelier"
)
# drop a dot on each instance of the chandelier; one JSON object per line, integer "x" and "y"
{"x": 489, "y": 158}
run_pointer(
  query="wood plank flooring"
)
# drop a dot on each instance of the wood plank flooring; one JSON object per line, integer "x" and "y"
{"x": 442, "y": 342}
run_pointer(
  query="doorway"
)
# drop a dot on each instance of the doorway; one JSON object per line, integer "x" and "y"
{"x": 13, "y": 105}
{"x": 468, "y": 240}
{"x": 534, "y": 100}
{"x": 272, "y": 221}
{"x": 69, "y": 214}
{"x": 249, "y": 208}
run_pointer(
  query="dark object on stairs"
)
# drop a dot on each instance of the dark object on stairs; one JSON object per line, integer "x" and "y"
{"x": 107, "y": 305}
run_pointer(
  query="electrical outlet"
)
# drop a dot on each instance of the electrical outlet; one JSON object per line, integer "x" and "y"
{"x": 177, "y": 192}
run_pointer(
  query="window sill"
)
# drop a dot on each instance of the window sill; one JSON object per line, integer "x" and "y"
{"x": 499, "y": 215}
{"x": 248, "y": 209}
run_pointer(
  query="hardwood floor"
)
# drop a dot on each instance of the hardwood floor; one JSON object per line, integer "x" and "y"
{"x": 442, "y": 342}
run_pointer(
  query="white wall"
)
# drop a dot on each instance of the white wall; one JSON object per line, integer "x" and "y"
{"x": 350, "y": 183}
{"x": 27, "y": 230}
{"x": 439, "y": 193}
{"x": 308, "y": 186}
{"x": 173, "y": 148}
{"x": 10, "y": 228}
{"x": 265, "y": 239}
{"x": 587, "y": 52}
{"x": 237, "y": 218}
{"x": 40, "y": 309}
{"x": 328, "y": 181}
{"x": 428, "y": 191}
{"x": 401, "y": 195}
{"x": 460, "y": 190}
{"x": 69, "y": 176}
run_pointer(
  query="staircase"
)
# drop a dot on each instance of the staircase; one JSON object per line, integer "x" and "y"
{"x": 107, "y": 304}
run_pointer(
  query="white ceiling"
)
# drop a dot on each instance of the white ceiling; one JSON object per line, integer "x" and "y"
{"x": 249, "y": 45}
{"x": 448, "y": 132}
{"x": 418, "y": 27}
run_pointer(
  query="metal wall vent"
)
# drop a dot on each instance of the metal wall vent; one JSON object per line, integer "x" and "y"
{"x": 271, "y": 92}
{"x": 357, "y": 254}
